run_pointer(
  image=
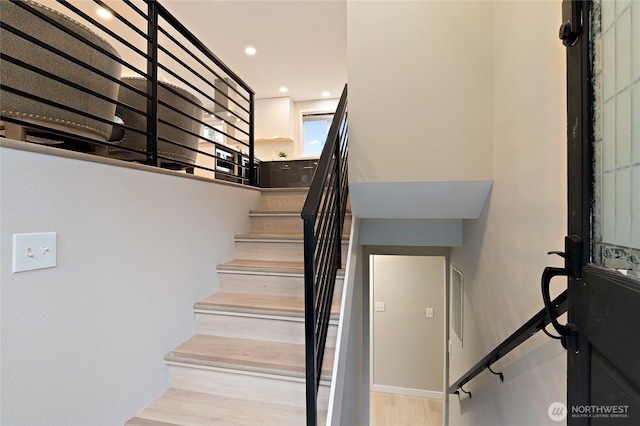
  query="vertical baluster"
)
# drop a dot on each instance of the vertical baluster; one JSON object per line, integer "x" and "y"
{"x": 152, "y": 84}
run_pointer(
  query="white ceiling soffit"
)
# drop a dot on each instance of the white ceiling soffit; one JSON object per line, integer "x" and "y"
{"x": 419, "y": 200}
{"x": 300, "y": 44}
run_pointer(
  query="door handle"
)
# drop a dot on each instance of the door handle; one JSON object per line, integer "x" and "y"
{"x": 573, "y": 264}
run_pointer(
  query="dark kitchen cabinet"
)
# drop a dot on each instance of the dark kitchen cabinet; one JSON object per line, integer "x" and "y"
{"x": 287, "y": 174}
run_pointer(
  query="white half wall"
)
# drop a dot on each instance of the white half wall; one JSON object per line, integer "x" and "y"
{"x": 349, "y": 399}
{"x": 83, "y": 343}
{"x": 419, "y": 200}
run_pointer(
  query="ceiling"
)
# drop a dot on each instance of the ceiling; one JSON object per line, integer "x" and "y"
{"x": 301, "y": 45}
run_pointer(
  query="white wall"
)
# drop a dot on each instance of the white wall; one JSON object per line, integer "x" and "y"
{"x": 420, "y": 91}
{"x": 83, "y": 343}
{"x": 408, "y": 347}
{"x": 504, "y": 251}
{"x": 483, "y": 99}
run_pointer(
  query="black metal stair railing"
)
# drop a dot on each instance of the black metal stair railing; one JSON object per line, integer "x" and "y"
{"x": 323, "y": 215}
{"x": 149, "y": 45}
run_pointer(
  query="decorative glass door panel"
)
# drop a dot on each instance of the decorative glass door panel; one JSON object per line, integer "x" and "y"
{"x": 615, "y": 38}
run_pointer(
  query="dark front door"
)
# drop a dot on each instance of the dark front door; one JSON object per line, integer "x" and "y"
{"x": 603, "y": 248}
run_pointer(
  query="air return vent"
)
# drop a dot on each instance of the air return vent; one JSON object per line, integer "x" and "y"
{"x": 456, "y": 301}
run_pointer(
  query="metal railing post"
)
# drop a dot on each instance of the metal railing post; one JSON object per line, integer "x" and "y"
{"x": 152, "y": 84}
{"x": 310, "y": 323}
{"x": 252, "y": 171}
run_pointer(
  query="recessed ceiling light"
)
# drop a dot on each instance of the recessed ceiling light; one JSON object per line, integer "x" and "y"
{"x": 250, "y": 50}
{"x": 283, "y": 89}
{"x": 104, "y": 13}
{"x": 325, "y": 94}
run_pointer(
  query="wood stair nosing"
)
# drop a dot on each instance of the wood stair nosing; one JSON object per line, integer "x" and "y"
{"x": 259, "y": 304}
{"x": 269, "y": 267}
{"x": 277, "y": 237}
{"x": 262, "y": 267}
{"x": 251, "y": 356}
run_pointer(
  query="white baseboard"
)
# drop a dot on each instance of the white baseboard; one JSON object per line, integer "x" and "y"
{"x": 408, "y": 391}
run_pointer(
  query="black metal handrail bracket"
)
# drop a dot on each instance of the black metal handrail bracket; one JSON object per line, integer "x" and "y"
{"x": 186, "y": 88}
{"x": 323, "y": 218}
{"x": 538, "y": 322}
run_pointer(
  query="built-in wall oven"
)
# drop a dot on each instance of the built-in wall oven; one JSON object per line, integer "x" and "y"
{"x": 244, "y": 169}
{"x": 224, "y": 161}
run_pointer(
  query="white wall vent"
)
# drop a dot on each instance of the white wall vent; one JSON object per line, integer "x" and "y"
{"x": 456, "y": 301}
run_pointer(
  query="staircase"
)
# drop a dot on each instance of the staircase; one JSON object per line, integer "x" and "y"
{"x": 246, "y": 365}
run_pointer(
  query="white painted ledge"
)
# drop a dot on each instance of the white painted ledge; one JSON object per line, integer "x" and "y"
{"x": 419, "y": 200}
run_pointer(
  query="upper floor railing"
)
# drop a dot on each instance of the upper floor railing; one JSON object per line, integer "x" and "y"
{"x": 125, "y": 80}
{"x": 323, "y": 215}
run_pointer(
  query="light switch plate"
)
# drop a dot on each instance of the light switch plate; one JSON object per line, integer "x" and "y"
{"x": 379, "y": 306}
{"x": 429, "y": 312}
{"x": 34, "y": 251}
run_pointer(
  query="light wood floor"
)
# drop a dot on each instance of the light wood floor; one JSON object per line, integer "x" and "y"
{"x": 401, "y": 410}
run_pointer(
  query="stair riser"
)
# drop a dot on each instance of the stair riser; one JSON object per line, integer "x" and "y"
{"x": 286, "y": 224}
{"x": 273, "y": 330}
{"x": 249, "y": 387}
{"x": 268, "y": 284}
{"x": 276, "y": 251}
{"x": 283, "y": 201}
{"x": 287, "y": 200}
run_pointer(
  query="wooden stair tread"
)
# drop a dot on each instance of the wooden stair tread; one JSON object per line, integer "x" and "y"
{"x": 292, "y": 189}
{"x": 260, "y": 304}
{"x": 138, "y": 421}
{"x": 280, "y": 236}
{"x": 266, "y": 266}
{"x": 262, "y": 212}
{"x": 183, "y": 407}
{"x": 262, "y": 266}
{"x": 247, "y": 355}
{"x": 296, "y": 213}
{"x": 294, "y": 236}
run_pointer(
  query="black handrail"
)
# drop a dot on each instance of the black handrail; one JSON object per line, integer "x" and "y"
{"x": 538, "y": 322}
{"x": 323, "y": 215}
{"x": 170, "y": 50}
